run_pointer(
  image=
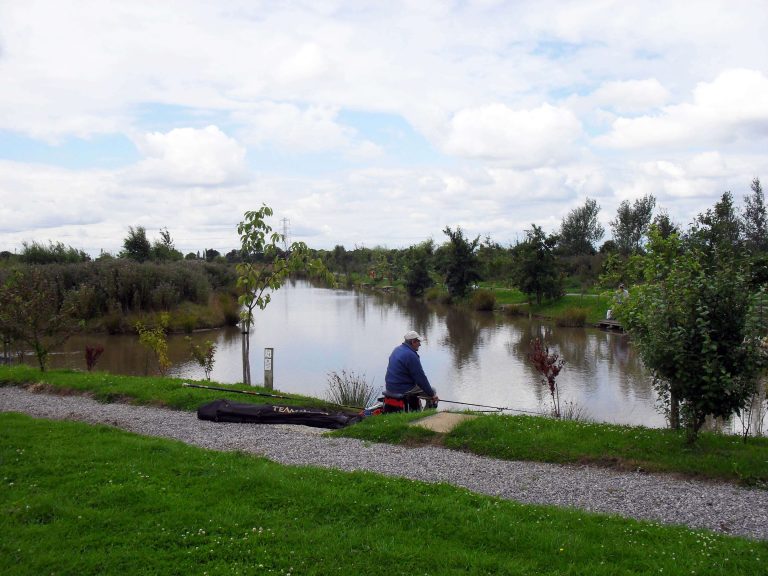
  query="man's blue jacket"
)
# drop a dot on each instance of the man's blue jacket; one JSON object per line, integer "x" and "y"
{"x": 404, "y": 371}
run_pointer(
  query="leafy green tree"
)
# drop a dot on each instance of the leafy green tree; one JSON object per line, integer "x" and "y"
{"x": 163, "y": 249}
{"x": 156, "y": 340}
{"x": 536, "y": 269}
{"x": 495, "y": 260}
{"x": 631, "y": 224}
{"x": 266, "y": 268}
{"x": 211, "y": 255}
{"x": 689, "y": 322}
{"x": 664, "y": 224}
{"x": 460, "y": 265}
{"x": 136, "y": 246}
{"x": 718, "y": 231}
{"x": 35, "y": 310}
{"x": 580, "y": 231}
{"x": 417, "y": 276}
{"x": 755, "y": 219}
{"x": 338, "y": 260}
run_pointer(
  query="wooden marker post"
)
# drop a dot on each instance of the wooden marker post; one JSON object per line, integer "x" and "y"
{"x": 269, "y": 380}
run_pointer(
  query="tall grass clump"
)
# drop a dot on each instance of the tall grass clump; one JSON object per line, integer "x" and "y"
{"x": 515, "y": 309}
{"x": 573, "y": 318}
{"x": 349, "y": 389}
{"x": 483, "y": 300}
{"x": 437, "y": 294}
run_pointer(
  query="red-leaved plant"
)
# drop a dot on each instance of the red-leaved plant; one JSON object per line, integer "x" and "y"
{"x": 92, "y": 354}
{"x": 549, "y": 366}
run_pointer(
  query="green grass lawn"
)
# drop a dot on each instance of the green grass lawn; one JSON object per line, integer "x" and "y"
{"x": 80, "y": 499}
{"x": 159, "y": 391}
{"x": 595, "y": 304}
{"x": 715, "y": 456}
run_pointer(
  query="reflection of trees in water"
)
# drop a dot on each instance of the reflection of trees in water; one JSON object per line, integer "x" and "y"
{"x": 421, "y": 318}
{"x": 361, "y": 306}
{"x": 229, "y": 335}
{"x": 464, "y": 334}
{"x": 594, "y": 357}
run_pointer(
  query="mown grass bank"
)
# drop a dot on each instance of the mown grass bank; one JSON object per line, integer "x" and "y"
{"x": 142, "y": 390}
{"x": 594, "y": 306}
{"x": 715, "y": 456}
{"x": 80, "y": 499}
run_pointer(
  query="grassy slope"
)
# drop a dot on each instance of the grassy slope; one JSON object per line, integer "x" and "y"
{"x": 79, "y": 499}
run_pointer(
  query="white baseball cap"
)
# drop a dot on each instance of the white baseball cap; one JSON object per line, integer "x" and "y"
{"x": 412, "y": 335}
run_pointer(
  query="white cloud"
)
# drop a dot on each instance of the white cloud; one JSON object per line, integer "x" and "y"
{"x": 202, "y": 157}
{"x": 310, "y": 129}
{"x": 536, "y": 137}
{"x": 629, "y": 96}
{"x": 731, "y": 108}
{"x": 499, "y": 95}
{"x": 305, "y": 64}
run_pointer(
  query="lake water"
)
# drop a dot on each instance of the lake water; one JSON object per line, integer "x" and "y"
{"x": 468, "y": 356}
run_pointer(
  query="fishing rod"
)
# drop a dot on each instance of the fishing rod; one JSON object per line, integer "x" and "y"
{"x": 250, "y": 393}
{"x": 496, "y": 408}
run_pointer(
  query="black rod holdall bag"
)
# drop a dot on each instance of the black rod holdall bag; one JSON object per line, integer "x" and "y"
{"x": 238, "y": 412}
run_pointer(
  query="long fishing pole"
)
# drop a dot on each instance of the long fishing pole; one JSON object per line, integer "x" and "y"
{"x": 250, "y": 393}
{"x": 188, "y": 385}
{"x": 496, "y": 408}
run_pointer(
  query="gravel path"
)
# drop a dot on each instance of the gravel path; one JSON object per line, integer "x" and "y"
{"x": 718, "y": 507}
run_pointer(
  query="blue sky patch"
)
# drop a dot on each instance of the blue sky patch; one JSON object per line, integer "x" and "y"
{"x": 101, "y": 151}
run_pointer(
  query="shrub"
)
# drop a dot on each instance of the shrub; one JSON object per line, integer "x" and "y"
{"x": 92, "y": 354}
{"x": 203, "y": 355}
{"x": 437, "y": 294}
{"x": 573, "y": 317}
{"x": 230, "y": 309}
{"x": 164, "y": 296}
{"x": 548, "y": 364}
{"x": 156, "y": 340}
{"x": 515, "y": 309}
{"x": 432, "y": 294}
{"x": 483, "y": 300}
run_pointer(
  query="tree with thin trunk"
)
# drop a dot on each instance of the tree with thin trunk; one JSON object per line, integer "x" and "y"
{"x": 690, "y": 324}
{"x": 34, "y": 310}
{"x": 548, "y": 364}
{"x": 264, "y": 269}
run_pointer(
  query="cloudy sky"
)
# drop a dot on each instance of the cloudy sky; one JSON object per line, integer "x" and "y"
{"x": 368, "y": 123}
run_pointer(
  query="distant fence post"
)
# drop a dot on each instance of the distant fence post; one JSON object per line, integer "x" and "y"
{"x": 269, "y": 381}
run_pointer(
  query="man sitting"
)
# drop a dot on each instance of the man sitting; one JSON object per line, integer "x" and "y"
{"x": 405, "y": 379}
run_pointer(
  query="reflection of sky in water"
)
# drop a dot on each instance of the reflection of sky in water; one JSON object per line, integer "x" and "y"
{"x": 468, "y": 357}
